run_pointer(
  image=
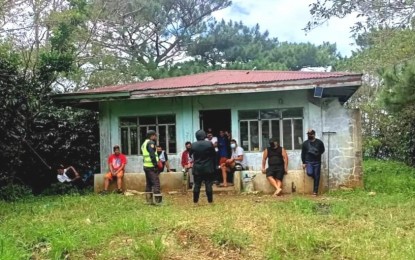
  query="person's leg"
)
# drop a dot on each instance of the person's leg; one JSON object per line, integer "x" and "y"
{"x": 107, "y": 179}
{"x": 149, "y": 183}
{"x": 120, "y": 176}
{"x": 196, "y": 188}
{"x": 156, "y": 181}
{"x": 316, "y": 170}
{"x": 224, "y": 170}
{"x": 209, "y": 191}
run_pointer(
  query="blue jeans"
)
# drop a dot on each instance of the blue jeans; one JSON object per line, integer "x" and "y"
{"x": 313, "y": 170}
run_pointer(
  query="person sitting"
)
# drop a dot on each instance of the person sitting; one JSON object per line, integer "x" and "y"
{"x": 116, "y": 165}
{"x": 69, "y": 175}
{"x": 237, "y": 160}
{"x": 163, "y": 158}
{"x": 187, "y": 162}
{"x": 277, "y": 164}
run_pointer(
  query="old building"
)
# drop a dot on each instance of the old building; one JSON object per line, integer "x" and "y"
{"x": 253, "y": 105}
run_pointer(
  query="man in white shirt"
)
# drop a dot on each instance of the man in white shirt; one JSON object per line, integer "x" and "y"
{"x": 237, "y": 158}
{"x": 70, "y": 175}
{"x": 213, "y": 140}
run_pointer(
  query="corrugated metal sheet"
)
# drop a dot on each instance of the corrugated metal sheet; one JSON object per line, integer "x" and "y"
{"x": 221, "y": 77}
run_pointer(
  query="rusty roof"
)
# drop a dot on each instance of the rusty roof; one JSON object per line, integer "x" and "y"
{"x": 220, "y": 78}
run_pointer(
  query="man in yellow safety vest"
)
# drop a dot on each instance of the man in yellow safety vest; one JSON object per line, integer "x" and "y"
{"x": 150, "y": 160}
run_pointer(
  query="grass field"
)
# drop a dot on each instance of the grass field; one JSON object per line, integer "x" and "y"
{"x": 375, "y": 223}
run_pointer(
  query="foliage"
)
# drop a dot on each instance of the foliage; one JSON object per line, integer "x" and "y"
{"x": 15, "y": 192}
{"x": 389, "y": 177}
{"x": 369, "y": 14}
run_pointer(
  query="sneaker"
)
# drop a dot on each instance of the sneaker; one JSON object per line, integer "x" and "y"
{"x": 119, "y": 191}
{"x": 104, "y": 192}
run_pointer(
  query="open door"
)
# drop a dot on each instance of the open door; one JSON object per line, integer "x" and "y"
{"x": 216, "y": 120}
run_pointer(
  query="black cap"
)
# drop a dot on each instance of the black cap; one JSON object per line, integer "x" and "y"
{"x": 150, "y": 133}
{"x": 311, "y": 132}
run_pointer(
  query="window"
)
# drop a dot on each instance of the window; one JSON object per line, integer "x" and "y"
{"x": 133, "y": 132}
{"x": 258, "y": 126}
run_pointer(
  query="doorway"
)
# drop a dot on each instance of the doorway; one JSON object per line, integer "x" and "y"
{"x": 216, "y": 120}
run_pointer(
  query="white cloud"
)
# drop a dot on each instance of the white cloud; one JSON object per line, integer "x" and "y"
{"x": 285, "y": 20}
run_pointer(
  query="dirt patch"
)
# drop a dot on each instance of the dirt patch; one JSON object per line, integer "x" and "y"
{"x": 195, "y": 245}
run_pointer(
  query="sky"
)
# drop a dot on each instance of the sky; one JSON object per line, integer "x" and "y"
{"x": 285, "y": 20}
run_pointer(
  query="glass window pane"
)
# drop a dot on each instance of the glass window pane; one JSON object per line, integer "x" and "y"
{"x": 124, "y": 140}
{"x": 128, "y": 121}
{"x": 253, "y": 127}
{"x": 162, "y": 137}
{"x": 275, "y": 130}
{"x": 270, "y": 114}
{"x": 266, "y": 135}
{"x": 147, "y": 120}
{"x": 298, "y": 133}
{"x": 134, "y": 140}
{"x": 292, "y": 112}
{"x": 243, "y": 128}
{"x": 250, "y": 114}
{"x": 286, "y": 134}
{"x": 143, "y": 133}
{"x": 169, "y": 119}
{"x": 172, "y": 139}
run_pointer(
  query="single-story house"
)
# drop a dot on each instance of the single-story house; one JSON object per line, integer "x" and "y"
{"x": 253, "y": 105}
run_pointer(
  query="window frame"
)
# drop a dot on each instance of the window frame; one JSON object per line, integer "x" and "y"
{"x": 280, "y": 120}
{"x": 155, "y": 126}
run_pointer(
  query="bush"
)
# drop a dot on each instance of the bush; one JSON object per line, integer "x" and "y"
{"x": 389, "y": 177}
{"x": 13, "y": 192}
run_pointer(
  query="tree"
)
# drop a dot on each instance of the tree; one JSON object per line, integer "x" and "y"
{"x": 369, "y": 13}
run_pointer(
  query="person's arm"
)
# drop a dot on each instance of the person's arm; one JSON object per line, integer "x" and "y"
{"x": 264, "y": 160}
{"x": 77, "y": 176}
{"x": 184, "y": 159}
{"x": 322, "y": 148}
{"x": 303, "y": 153}
{"x": 151, "y": 148}
{"x": 285, "y": 158}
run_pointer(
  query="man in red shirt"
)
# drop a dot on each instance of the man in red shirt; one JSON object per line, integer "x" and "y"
{"x": 116, "y": 164}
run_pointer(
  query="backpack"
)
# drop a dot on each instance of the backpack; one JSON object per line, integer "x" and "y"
{"x": 313, "y": 150}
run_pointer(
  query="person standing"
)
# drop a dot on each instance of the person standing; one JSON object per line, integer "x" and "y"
{"x": 204, "y": 157}
{"x": 150, "y": 160}
{"x": 311, "y": 152}
{"x": 277, "y": 164}
{"x": 116, "y": 165}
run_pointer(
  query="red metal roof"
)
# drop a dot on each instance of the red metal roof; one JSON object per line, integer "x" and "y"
{"x": 220, "y": 77}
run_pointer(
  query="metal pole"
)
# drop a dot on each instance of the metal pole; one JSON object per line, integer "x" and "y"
{"x": 328, "y": 158}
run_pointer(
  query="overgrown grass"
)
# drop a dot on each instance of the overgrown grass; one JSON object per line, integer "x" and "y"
{"x": 341, "y": 225}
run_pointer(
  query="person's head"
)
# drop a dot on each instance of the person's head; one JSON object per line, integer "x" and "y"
{"x": 273, "y": 143}
{"x": 152, "y": 135}
{"x": 234, "y": 144}
{"x": 188, "y": 145}
{"x": 116, "y": 149}
{"x": 159, "y": 148}
{"x": 221, "y": 133}
{"x": 60, "y": 169}
{"x": 200, "y": 135}
{"x": 209, "y": 135}
{"x": 311, "y": 134}
{"x": 210, "y": 129}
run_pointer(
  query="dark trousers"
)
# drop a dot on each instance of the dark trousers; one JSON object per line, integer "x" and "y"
{"x": 313, "y": 170}
{"x": 198, "y": 179}
{"x": 152, "y": 180}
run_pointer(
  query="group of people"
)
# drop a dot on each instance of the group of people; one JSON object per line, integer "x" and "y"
{"x": 203, "y": 158}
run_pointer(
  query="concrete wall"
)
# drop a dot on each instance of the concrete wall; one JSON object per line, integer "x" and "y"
{"x": 328, "y": 115}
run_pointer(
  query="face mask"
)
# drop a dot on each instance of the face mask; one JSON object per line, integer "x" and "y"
{"x": 233, "y": 146}
{"x": 310, "y": 137}
{"x": 272, "y": 144}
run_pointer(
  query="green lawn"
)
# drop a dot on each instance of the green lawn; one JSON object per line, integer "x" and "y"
{"x": 340, "y": 225}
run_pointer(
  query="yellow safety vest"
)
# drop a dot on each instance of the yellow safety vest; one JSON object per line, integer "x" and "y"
{"x": 146, "y": 155}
